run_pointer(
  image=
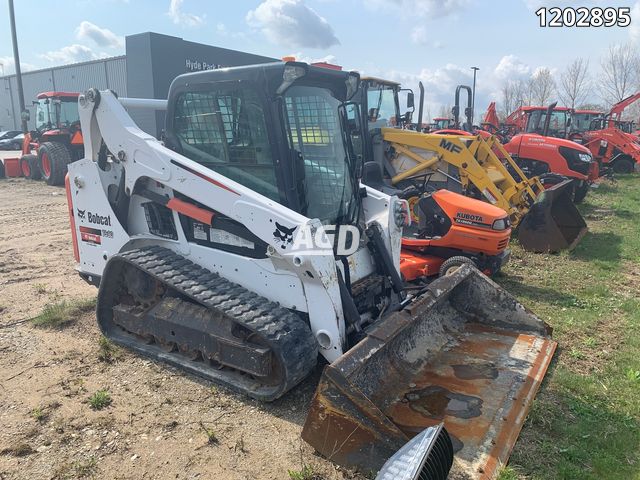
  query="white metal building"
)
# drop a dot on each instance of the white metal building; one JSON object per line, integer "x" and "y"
{"x": 104, "y": 73}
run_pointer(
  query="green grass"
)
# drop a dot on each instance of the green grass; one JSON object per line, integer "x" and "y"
{"x": 63, "y": 313}
{"x": 307, "y": 473}
{"x": 585, "y": 421}
{"x": 99, "y": 400}
{"x": 107, "y": 351}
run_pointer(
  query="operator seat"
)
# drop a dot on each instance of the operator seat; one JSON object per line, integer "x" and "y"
{"x": 372, "y": 177}
{"x": 432, "y": 220}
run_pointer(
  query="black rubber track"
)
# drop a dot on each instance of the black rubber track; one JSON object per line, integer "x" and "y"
{"x": 288, "y": 336}
{"x": 59, "y": 158}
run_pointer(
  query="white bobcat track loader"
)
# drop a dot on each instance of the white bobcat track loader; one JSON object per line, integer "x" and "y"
{"x": 196, "y": 248}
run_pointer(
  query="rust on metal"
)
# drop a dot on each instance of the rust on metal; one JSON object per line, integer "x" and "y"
{"x": 467, "y": 354}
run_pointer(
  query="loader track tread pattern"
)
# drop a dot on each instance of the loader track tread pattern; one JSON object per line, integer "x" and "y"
{"x": 285, "y": 332}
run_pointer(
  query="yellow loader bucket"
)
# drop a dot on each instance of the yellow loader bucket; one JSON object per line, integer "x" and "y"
{"x": 553, "y": 222}
{"x": 464, "y": 352}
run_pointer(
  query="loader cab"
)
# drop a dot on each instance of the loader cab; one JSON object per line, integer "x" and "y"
{"x": 275, "y": 128}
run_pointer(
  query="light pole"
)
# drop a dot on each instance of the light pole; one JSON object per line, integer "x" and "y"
{"x": 16, "y": 60}
{"x": 473, "y": 95}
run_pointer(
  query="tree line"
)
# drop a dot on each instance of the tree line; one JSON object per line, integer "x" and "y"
{"x": 575, "y": 86}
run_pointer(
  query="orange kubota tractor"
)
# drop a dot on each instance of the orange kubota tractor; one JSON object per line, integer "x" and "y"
{"x": 57, "y": 138}
{"x": 535, "y": 138}
{"x": 609, "y": 138}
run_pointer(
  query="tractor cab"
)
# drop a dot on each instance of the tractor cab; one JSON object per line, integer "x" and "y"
{"x": 441, "y": 123}
{"x": 56, "y": 113}
{"x": 582, "y": 120}
{"x": 557, "y": 118}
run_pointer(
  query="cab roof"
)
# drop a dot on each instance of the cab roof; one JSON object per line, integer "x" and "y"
{"x": 380, "y": 80}
{"x": 57, "y": 94}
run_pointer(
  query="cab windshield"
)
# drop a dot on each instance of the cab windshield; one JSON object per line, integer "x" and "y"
{"x": 381, "y": 104}
{"x": 226, "y": 130}
{"x": 56, "y": 113}
{"x": 315, "y": 134}
{"x": 557, "y": 125}
{"x": 581, "y": 122}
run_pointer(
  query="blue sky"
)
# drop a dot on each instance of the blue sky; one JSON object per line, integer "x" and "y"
{"x": 436, "y": 41}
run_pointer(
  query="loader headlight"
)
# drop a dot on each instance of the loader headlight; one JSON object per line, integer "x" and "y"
{"x": 427, "y": 454}
{"x": 604, "y": 143}
{"x": 585, "y": 157}
{"x": 401, "y": 213}
{"x": 500, "y": 224}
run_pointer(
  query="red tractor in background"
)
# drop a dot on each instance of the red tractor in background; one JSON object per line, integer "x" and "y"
{"x": 57, "y": 138}
{"x": 610, "y": 139}
{"x": 553, "y": 160}
{"x": 607, "y": 137}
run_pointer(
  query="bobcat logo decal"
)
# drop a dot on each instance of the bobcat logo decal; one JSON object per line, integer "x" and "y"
{"x": 283, "y": 235}
{"x": 81, "y": 213}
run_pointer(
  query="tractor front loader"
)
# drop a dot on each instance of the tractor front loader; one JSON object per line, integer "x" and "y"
{"x": 202, "y": 251}
{"x": 546, "y": 220}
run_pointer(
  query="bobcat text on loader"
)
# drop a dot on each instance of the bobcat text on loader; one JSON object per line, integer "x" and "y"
{"x": 196, "y": 268}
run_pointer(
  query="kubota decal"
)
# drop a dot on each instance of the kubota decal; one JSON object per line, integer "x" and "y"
{"x": 471, "y": 219}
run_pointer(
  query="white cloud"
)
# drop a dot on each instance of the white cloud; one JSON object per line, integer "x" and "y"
{"x": 301, "y": 57}
{"x": 292, "y": 23}
{"x": 103, "y": 37}
{"x": 424, "y": 8}
{"x": 71, "y": 54}
{"x": 634, "y": 28}
{"x": 180, "y": 18}
{"x": 8, "y": 66}
{"x": 510, "y": 67}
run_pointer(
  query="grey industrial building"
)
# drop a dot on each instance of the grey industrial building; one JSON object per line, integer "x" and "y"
{"x": 150, "y": 63}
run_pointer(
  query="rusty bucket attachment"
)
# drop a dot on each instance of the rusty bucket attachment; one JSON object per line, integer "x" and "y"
{"x": 553, "y": 223}
{"x": 463, "y": 352}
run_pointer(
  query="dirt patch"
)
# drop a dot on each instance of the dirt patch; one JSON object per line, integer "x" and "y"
{"x": 153, "y": 427}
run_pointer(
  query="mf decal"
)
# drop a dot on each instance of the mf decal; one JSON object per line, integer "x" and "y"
{"x": 283, "y": 235}
{"x": 452, "y": 147}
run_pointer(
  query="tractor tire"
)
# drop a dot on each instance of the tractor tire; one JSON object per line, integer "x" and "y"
{"x": 623, "y": 165}
{"x": 30, "y": 168}
{"x": 53, "y": 158}
{"x": 1, "y": 169}
{"x": 452, "y": 264}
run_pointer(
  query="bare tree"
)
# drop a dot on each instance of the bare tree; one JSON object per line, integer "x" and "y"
{"x": 620, "y": 76}
{"x": 575, "y": 85}
{"x": 515, "y": 93}
{"x": 445, "y": 111}
{"x": 542, "y": 86}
